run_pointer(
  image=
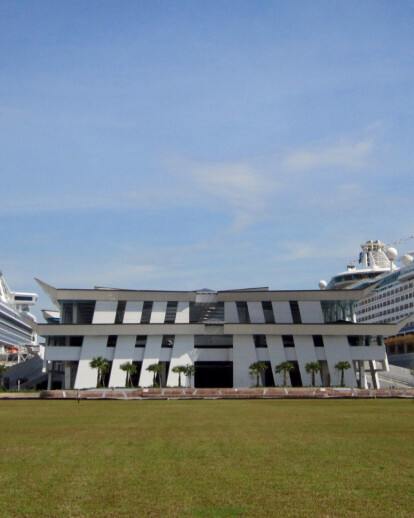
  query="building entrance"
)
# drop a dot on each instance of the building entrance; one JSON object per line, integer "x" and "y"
{"x": 213, "y": 375}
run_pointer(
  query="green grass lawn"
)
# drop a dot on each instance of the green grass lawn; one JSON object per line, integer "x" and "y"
{"x": 289, "y": 458}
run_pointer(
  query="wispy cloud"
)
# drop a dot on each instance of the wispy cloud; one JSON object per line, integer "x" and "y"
{"x": 241, "y": 188}
{"x": 343, "y": 154}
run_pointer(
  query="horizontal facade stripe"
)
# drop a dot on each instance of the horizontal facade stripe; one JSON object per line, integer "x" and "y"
{"x": 208, "y": 329}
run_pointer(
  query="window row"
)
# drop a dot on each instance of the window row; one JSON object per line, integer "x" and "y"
{"x": 82, "y": 312}
{"x": 200, "y": 341}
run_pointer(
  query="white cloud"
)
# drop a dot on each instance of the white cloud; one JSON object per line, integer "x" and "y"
{"x": 238, "y": 187}
{"x": 344, "y": 154}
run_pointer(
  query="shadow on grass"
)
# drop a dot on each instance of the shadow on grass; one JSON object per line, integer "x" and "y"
{"x": 217, "y": 512}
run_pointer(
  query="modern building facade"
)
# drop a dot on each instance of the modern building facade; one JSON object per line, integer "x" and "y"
{"x": 221, "y": 333}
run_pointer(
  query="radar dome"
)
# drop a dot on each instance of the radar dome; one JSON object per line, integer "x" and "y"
{"x": 391, "y": 253}
{"x": 323, "y": 285}
{"x": 407, "y": 259}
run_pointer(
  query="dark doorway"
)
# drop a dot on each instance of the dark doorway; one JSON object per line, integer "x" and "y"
{"x": 107, "y": 375}
{"x": 213, "y": 375}
{"x": 135, "y": 377}
{"x": 268, "y": 376}
{"x": 295, "y": 378}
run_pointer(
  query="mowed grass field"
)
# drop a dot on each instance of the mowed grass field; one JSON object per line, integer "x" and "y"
{"x": 287, "y": 458}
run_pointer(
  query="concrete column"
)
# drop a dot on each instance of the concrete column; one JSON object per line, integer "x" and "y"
{"x": 181, "y": 355}
{"x": 276, "y": 355}
{"x": 374, "y": 375}
{"x": 244, "y": 354}
{"x": 305, "y": 353}
{"x": 68, "y": 371}
{"x": 151, "y": 355}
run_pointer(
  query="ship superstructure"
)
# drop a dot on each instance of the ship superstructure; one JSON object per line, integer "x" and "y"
{"x": 391, "y": 299}
{"x": 17, "y": 338}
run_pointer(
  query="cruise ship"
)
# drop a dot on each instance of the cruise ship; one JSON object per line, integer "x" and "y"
{"x": 391, "y": 299}
{"x": 17, "y": 338}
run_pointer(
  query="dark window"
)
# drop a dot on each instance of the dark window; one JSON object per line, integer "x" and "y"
{"x": 56, "y": 341}
{"x": 206, "y": 312}
{"x": 168, "y": 341}
{"x": 269, "y": 316}
{"x": 353, "y": 340}
{"x": 171, "y": 312}
{"x": 85, "y": 312}
{"x": 259, "y": 341}
{"x": 67, "y": 313}
{"x": 213, "y": 341}
{"x": 243, "y": 312}
{"x": 111, "y": 341}
{"x": 146, "y": 312}
{"x": 76, "y": 341}
{"x": 141, "y": 341}
{"x": 294, "y": 308}
{"x": 318, "y": 341}
{"x": 288, "y": 341}
{"x": 120, "y": 312}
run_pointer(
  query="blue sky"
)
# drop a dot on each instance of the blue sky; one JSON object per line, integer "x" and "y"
{"x": 183, "y": 144}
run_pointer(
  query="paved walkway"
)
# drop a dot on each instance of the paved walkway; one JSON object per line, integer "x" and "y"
{"x": 227, "y": 393}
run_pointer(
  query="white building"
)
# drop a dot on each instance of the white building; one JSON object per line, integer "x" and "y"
{"x": 221, "y": 333}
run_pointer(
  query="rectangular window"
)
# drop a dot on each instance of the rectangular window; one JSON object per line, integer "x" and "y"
{"x": 67, "y": 313}
{"x": 213, "y": 341}
{"x": 111, "y": 341}
{"x": 141, "y": 341}
{"x": 75, "y": 341}
{"x": 85, "y": 312}
{"x": 318, "y": 341}
{"x": 259, "y": 341}
{"x": 243, "y": 312}
{"x": 288, "y": 341}
{"x": 120, "y": 312}
{"x": 203, "y": 312}
{"x": 168, "y": 341}
{"x": 56, "y": 341}
{"x": 294, "y": 308}
{"x": 146, "y": 312}
{"x": 353, "y": 340}
{"x": 171, "y": 312}
{"x": 269, "y": 316}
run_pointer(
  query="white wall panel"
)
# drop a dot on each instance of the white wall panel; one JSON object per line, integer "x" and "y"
{"x": 338, "y": 350}
{"x": 305, "y": 353}
{"x": 183, "y": 313}
{"x": 282, "y": 312}
{"x": 256, "y": 312}
{"x": 151, "y": 355}
{"x": 230, "y": 313}
{"x": 181, "y": 355}
{"x": 124, "y": 352}
{"x": 93, "y": 346}
{"x": 105, "y": 311}
{"x": 311, "y": 312}
{"x": 158, "y": 313}
{"x": 277, "y": 355}
{"x": 133, "y": 312}
{"x": 244, "y": 354}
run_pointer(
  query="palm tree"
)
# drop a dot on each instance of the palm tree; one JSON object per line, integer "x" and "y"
{"x": 313, "y": 368}
{"x": 189, "y": 372}
{"x": 156, "y": 369}
{"x": 256, "y": 369}
{"x": 179, "y": 369}
{"x": 285, "y": 368}
{"x": 102, "y": 366}
{"x": 342, "y": 367}
{"x": 130, "y": 370}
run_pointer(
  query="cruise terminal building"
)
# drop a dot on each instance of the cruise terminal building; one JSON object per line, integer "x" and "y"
{"x": 221, "y": 333}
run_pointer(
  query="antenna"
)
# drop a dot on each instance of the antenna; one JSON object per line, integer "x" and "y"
{"x": 402, "y": 240}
